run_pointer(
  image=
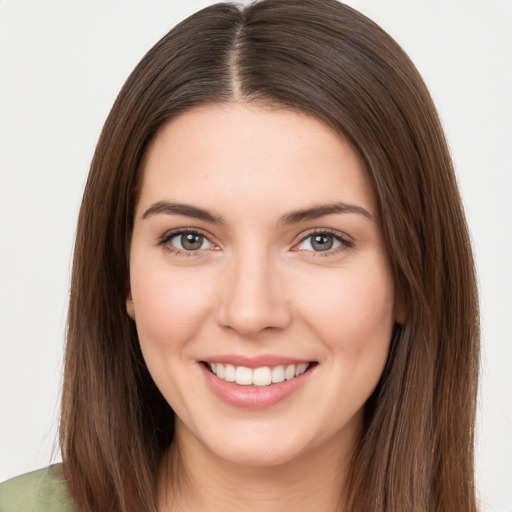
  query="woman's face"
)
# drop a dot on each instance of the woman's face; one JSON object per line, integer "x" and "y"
{"x": 257, "y": 255}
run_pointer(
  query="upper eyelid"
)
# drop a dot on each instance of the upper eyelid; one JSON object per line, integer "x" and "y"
{"x": 319, "y": 231}
{"x": 179, "y": 231}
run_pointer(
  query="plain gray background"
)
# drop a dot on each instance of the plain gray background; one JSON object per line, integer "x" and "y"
{"x": 62, "y": 63}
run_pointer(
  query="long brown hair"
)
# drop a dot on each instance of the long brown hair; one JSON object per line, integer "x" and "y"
{"x": 321, "y": 57}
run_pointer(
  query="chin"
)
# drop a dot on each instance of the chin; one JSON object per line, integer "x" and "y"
{"x": 258, "y": 455}
{"x": 263, "y": 445}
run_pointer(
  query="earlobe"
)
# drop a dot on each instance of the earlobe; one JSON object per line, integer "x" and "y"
{"x": 130, "y": 307}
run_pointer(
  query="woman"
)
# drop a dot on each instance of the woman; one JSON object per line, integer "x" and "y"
{"x": 273, "y": 301}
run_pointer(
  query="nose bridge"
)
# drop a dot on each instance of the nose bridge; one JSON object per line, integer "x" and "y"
{"x": 252, "y": 299}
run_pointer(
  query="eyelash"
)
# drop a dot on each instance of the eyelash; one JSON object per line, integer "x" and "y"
{"x": 169, "y": 235}
{"x": 345, "y": 242}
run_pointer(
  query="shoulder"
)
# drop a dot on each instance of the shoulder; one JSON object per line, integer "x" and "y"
{"x": 44, "y": 490}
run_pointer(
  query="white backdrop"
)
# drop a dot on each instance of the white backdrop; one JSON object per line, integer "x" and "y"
{"x": 62, "y": 63}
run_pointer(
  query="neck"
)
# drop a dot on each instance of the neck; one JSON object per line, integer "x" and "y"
{"x": 312, "y": 481}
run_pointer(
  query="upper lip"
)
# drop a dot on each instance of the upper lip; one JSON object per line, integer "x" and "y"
{"x": 255, "y": 361}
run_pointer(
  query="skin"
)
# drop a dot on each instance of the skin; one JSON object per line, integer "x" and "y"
{"x": 258, "y": 286}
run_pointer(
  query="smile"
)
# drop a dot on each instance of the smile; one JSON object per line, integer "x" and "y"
{"x": 262, "y": 376}
{"x": 257, "y": 382}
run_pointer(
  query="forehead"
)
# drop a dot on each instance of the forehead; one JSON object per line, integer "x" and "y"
{"x": 244, "y": 155}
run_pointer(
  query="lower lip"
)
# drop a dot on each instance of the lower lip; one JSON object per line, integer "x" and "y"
{"x": 253, "y": 397}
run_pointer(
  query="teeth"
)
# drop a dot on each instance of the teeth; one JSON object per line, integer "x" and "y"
{"x": 278, "y": 374}
{"x": 289, "y": 373}
{"x": 230, "y": 373}
{"x": 243, "y": 375}
{"x": 301, "y": 368}
{"x": 263, "y": 376}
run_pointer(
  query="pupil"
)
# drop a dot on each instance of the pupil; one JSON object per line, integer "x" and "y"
{"x": 191, "y": 242}
{"x": 322, "y": 242}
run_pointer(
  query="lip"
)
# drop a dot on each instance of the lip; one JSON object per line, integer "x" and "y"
{"x": 253, "y": 397}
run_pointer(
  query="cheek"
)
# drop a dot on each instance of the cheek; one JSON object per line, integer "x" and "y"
{"x": 352, "y": 311}
{"x": 353, "y": 318}
{"x": 169, "y": 306}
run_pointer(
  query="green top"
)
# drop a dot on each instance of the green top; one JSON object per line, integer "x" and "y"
{"x": 44, "y": 490}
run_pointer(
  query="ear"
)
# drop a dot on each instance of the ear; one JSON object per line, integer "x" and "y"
{"x": 130, "y": 307}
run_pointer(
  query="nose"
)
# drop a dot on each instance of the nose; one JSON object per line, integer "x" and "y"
{"x": 252, "y": 297}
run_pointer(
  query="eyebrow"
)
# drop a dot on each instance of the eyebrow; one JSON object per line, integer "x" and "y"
{"x": 315, "y": 212}
{"x": 172, "y": 208}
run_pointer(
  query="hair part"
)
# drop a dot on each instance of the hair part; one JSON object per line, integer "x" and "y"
{"x": 327, "y": 60}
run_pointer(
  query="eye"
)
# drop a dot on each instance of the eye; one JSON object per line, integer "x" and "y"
{"x": 323, "y": 241}
{"x": 186, "y": 241}
{"x": 190, "y": 242}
